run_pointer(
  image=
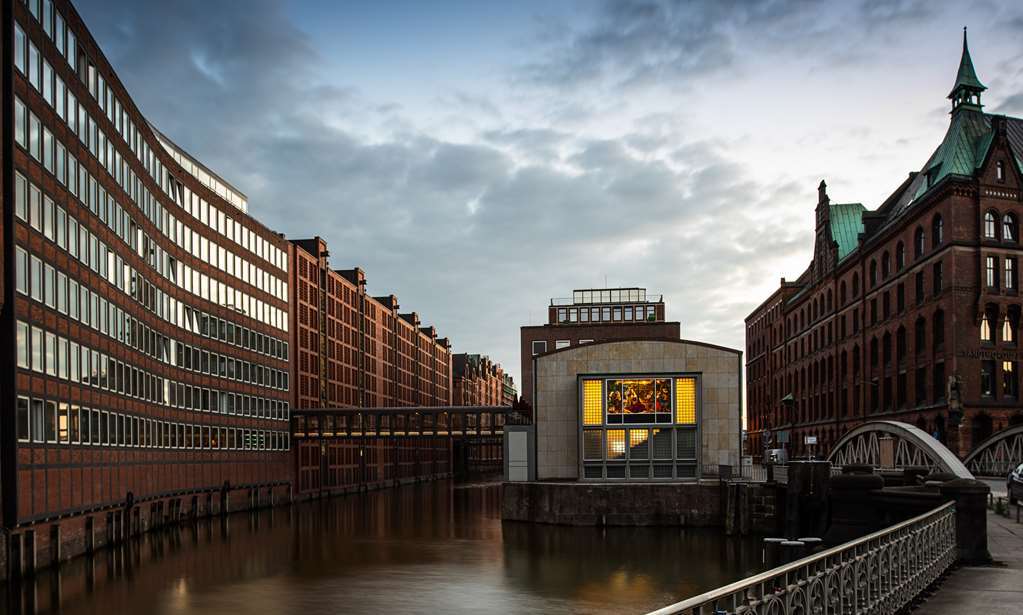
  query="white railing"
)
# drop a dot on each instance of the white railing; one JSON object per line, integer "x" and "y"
{"x": 877, "y": 574}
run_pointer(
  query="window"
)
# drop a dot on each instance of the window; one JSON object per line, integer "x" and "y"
{"x": 937, "y": 232}
{"x": 919, "y": 334}
{"x": 900, "y": 256}
{"x": 873, "y": 273}
{"x": 1009, "y": 228}
{"x": 938, "y": 326}
{"x": 991, "y": 267}
{"x": 937, "y": 278}
{"x": 1010, "y": 273}
{"x": 921, "y": 386}
{"x": 1010, "y": 381}
{"x": 1000, "y": 171}
{"x": 985, "y": 329}
{"x": 886, "y": 263}
{"x": 900, "y": 298}
{"x": 856, "y": 285}
{"x": 918, "y": 242}
{"x": 987, "y": 378}
{"x": 639, "y": 428}
{"x": 23, "y": 358}
{"x": 939, "y": 381}
{"x": 919, "y": 287}
{"x": 539, "y": 347}
{"x": 989, "y": 226}
{"x": 22, "y": 419}
{"x": 1007, "y": 332}
{"x": 559, "y": 344}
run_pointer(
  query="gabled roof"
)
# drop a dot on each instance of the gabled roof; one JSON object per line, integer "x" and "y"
{"x": 846, "y": 226}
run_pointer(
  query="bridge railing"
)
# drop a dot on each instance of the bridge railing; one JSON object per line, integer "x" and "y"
{"x": 879, "y": 573}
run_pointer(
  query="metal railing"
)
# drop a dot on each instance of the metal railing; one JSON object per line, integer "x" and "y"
{"x": 877, "y": 574}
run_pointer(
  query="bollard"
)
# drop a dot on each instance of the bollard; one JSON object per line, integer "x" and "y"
{"x": 770, "y": 554}
{"x": 812, "y": 544}
{"x": 791, "y": 551}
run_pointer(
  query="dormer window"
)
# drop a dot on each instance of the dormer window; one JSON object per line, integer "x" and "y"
{"x": 1000, "y": 171}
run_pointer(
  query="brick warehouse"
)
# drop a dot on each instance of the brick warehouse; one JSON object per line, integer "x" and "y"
{"x": 909, "y": 312}
{"x": 478, "y": 381}
{"x": 354, "y": 350}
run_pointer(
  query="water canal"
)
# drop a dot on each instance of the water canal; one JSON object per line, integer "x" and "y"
{"x": 428, "y": 548}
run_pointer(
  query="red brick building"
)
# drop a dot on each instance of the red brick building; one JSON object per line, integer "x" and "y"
{"x": 594, "y": 315}
{"x": 910, "y": 311}
{"x": 478, "y": 381}
{"x": 355, "y": 350}
{"x": 145, "y": 364}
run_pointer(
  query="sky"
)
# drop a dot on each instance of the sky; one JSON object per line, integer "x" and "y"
{"x": 479, "y": 158}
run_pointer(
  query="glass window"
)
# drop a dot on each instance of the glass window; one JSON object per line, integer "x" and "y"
{"x": 685, "y": 401}
{"x": 20, "y": 119}
{"x": 24, "y": 360}
{"x": 21, "y": 271}
{"x": 19, "y": 48}
{"x": 50, "y": 421}
{"x": 989, "y": 225}
{"x": 37, "y": 349}
{"x": 38, "y": 419}
{"x": 987, "y": 378}
{"x": 22, "y": 418}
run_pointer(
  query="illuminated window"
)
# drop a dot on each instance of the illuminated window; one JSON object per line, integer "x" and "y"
{"x": 592, "y": 407}
{"x": 639, "y": 444}
{"x": 637, "y": 428}
{"x": 685, "y": 401}
{"x": 616, "y": 444}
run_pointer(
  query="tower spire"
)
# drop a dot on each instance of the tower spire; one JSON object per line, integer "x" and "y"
{"x": 968, "y": 87}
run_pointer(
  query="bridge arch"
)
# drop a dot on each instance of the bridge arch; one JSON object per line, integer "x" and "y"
{"x": 912, "y": 447}
{"x": 998, "y": 454}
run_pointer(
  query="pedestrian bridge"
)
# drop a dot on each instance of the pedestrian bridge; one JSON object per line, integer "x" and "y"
{"x": 997, "y": 455}
{"x": 893, "y": 445}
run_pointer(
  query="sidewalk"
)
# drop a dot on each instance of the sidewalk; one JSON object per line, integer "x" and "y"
{"x": 994, "y": 589}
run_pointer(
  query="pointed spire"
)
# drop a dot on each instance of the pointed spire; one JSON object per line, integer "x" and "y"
{"x": 967, "y": 84}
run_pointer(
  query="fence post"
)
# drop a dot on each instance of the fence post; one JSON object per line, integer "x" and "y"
{"x": 970, "y": 497}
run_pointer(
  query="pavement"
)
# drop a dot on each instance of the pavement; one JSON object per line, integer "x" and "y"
{"x": 997, "y": 485}
{"x": 983, "y": 590}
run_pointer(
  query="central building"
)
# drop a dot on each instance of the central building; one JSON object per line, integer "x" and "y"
{"x": 636, "y": 410}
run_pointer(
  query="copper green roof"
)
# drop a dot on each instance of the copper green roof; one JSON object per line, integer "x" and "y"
{"x": 967, "y": 76}
{"x": 846, "y": 226}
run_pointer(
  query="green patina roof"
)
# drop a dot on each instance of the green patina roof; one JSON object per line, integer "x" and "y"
{"x": 962, "y": 150}
{"x": 967, "y": 76}
{"x": 846, "y": 226}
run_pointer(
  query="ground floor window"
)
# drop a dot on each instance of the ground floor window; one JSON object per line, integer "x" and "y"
{"x": 639, "y": 427}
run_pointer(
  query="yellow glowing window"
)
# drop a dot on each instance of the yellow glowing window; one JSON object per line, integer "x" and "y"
{"x": 685, "y": 401}
{"x": 616, "y": 444}
{"x": 593, "y": 397}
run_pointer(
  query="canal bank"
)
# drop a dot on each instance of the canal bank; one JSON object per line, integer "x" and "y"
{"x": 424, "y": 548}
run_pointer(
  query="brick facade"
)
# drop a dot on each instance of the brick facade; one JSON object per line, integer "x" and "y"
{"x": 478, "y": 381}
{"x": 354, "y": 350}
{"x": 146, "y": 353}
{"x": 907, "y": 325}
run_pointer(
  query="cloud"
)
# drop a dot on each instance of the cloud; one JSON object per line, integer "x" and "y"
{"x": 477, "y": 234}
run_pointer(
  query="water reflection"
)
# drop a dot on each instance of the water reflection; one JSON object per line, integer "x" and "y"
{"x": 430, "y": 548}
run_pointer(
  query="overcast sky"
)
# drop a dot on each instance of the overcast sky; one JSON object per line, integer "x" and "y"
{"x": 478, "y": 158}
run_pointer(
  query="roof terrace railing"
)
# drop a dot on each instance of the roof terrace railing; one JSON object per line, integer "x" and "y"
{"x": 877, "y": 574}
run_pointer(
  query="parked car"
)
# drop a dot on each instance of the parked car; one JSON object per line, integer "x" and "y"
{"x": 1014, "y": 484}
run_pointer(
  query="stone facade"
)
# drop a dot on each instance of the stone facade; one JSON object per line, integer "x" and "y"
{"x": 557, "y": 409}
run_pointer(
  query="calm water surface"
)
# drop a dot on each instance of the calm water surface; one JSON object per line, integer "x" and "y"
{"x": 429, "y": 548}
